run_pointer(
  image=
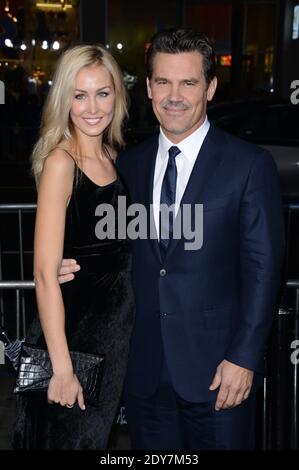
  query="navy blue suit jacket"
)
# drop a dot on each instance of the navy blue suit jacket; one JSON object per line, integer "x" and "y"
{"x": 217, "y": 302}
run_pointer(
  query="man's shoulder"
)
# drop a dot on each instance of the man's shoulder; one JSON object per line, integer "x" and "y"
{"x": 132, "y": 160}
{"x": 234, "y": 146}
{"x": 140, "y": 148}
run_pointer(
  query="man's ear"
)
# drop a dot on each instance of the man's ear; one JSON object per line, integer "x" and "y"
{"x": 148, "y": 86}
{"x": 211, "y": 89}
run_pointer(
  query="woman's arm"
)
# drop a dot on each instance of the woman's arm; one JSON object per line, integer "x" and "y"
{"x": 55, "y": 189}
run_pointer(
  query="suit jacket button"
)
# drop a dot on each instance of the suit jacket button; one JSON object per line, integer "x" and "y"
{"x": 163, "y": 272}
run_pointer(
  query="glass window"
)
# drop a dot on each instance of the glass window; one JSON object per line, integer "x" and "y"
{"x": 215, "y": 20}
{"x": 130, "y": 28}
{"x": 34, "y": 32}
{"x": 258, "y": 47}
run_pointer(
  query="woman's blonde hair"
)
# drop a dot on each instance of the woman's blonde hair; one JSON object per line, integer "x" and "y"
{"x": 56, "y": 124}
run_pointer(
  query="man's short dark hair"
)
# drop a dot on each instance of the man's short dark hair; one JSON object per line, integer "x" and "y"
{"x": 175, "y": 41}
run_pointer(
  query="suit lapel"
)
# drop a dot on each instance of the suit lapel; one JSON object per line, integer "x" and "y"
{"x": 207, "y": 161}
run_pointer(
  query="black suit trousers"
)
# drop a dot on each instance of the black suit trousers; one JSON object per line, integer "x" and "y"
{"x": 165, "y": 421}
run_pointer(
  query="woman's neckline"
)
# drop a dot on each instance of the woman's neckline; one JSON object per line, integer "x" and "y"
{"x": 101, "y": 186}
{"x": 88, "y": 177}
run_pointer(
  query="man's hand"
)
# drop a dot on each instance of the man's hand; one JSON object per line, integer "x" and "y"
{"x": 235, "y": 384}
{"x": 67, "y": 269}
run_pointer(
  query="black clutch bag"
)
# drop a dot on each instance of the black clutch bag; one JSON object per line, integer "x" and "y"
{"x": 35, "y": 371}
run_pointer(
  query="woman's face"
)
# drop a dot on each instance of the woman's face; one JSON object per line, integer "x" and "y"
{"x": 93, "y": 102}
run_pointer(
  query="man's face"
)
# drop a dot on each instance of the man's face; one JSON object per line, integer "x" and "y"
{"x": 179, "y": 93}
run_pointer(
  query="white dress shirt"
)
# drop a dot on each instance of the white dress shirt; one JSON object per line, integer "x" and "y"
{"x": 185, "y": 160}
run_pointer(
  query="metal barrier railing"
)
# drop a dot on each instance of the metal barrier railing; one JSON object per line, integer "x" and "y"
{"x": 290, "y": 284}
{"x": 281, "y": 388}
{"x": 294, "y": 284}
{"x": 19, "y": 210}
{"x": 289, "y": 209}
{"x": 19, "y": 287}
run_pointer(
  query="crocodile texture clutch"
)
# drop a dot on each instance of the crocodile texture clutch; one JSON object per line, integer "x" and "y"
{"x": 35, "y": 372}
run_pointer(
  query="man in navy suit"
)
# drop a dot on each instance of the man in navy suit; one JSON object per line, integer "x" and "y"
{"x": 203, "y": 315}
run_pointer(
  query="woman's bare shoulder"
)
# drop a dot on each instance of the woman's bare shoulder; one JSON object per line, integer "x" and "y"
{"x": 59, "y": 160}
{"x": 58, "y": 173}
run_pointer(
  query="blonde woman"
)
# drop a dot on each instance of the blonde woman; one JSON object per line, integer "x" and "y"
{"x": 73, "y": 162}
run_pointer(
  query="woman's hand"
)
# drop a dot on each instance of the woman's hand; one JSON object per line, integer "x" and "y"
{"x": 65, "y": 389}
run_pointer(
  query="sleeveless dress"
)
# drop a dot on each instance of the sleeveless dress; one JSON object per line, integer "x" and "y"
{"x": 99, "y": 313}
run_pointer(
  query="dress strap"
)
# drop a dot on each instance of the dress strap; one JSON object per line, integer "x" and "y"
{"x": 69, "y": 155}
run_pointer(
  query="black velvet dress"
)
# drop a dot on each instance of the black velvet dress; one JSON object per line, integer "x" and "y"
{"x": 99, "y": 311}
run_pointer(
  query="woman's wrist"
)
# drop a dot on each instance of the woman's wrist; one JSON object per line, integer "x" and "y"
{"x": 63, "y": 368}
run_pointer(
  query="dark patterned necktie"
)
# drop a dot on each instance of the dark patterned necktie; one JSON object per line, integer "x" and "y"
{"x": 168, "y": 191}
